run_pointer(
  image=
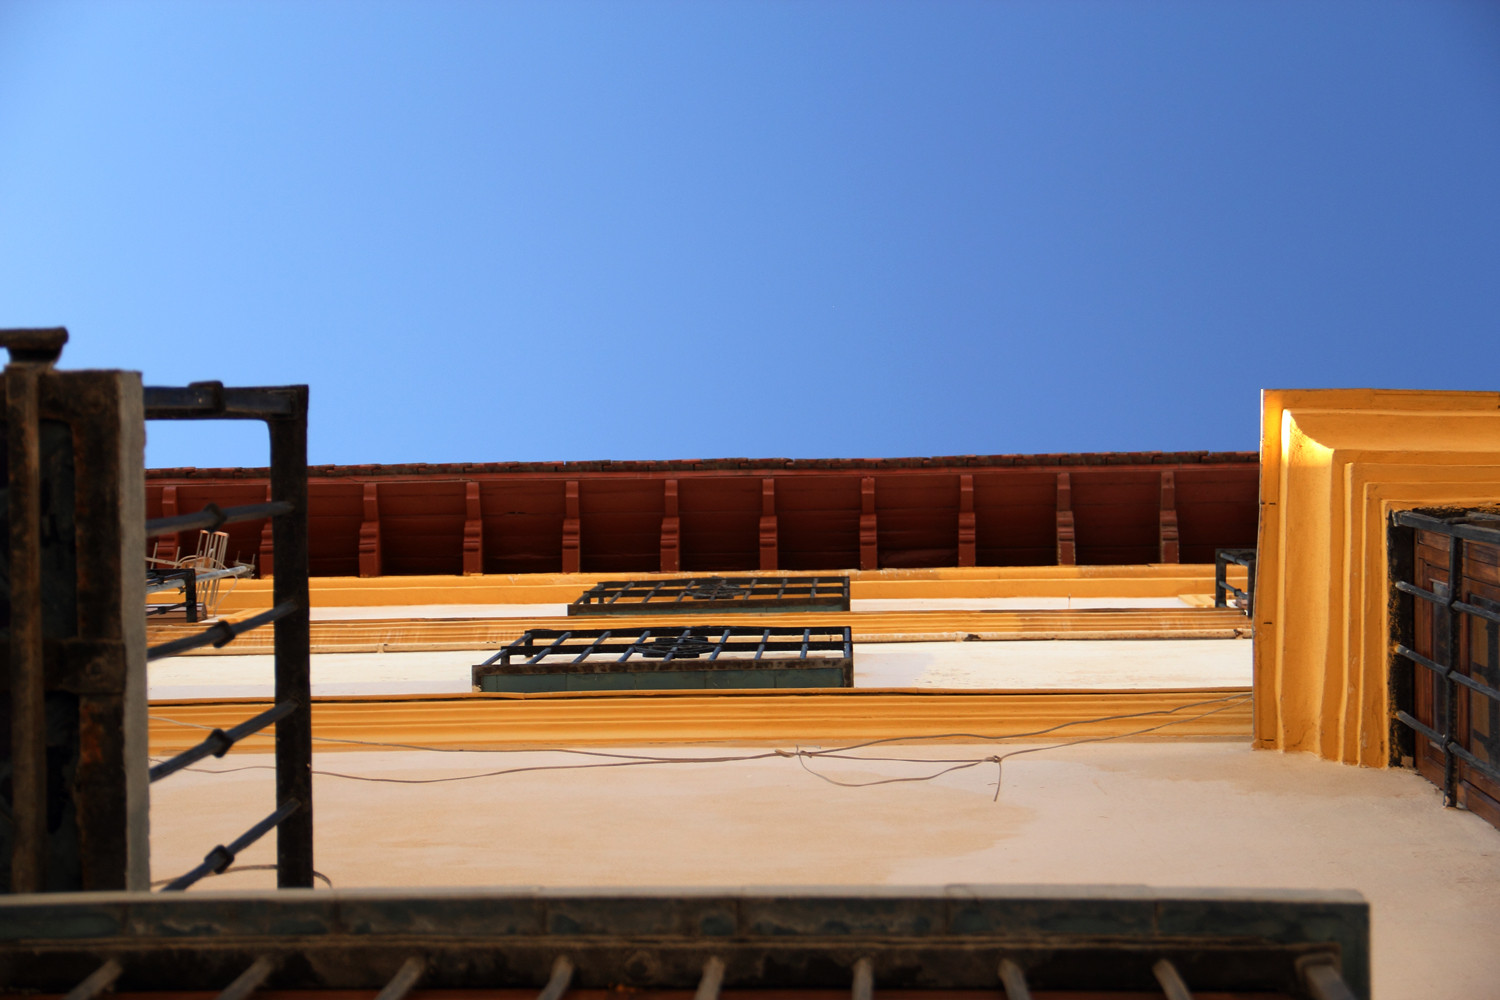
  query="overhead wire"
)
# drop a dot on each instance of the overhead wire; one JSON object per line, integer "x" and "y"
{"x": 615, "y": 759}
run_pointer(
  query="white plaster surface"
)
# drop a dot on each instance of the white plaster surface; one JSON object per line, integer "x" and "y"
{"x": 1055, "y": 663}
{"x": 1010, "y": 603}
{"x": 871, "y": 604}
{"x": 1159, "y": 813}
{"x": 419, "y": 611}
{"x": 1069, "y": 664}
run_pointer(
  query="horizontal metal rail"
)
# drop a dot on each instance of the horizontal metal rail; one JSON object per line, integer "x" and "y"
{"x": 220, "y": 634}
{"x": 212, "y": 517}
{"x": 1455, "y": 527}
{"x": 210, "y": 399}
{"x": 219, "y": 741}
{"x": 221, "y": 857}
{"x": 178, "y": 578}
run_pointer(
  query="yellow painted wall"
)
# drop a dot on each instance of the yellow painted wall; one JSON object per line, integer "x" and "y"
{"x": 1334, "y": 464}
{"x": 1155, "y": 580}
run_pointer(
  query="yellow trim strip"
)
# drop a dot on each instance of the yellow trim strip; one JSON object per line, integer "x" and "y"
{"x": 403, "y": 634}
{"x": 511, "y": 721}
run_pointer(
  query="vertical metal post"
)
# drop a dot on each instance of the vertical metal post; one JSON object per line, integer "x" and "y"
{"x": 1450, "y": 666}
{"x": 294, "y": 837}
{"x": 27, "y": 698}
{"x": 1221, "y": 574}
{"x": 1400, "y": 549}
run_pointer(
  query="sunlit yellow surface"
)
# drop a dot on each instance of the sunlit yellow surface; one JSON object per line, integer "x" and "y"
{"x": 1334, "y": 464}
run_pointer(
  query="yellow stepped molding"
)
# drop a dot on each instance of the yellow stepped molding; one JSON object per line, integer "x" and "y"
{"x": 490, "y": 721}
{"x": 404, "y": 634}
{"x": 1334, "y": 464}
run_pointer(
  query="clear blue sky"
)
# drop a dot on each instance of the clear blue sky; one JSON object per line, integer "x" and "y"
{"x": 532, "y": 231}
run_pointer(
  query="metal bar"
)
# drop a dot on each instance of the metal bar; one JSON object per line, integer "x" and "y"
{"x": 1426, "y": 595}
{"x": 1407, "y": 719}
{"x": 782, "y": 589}
{"x": 592, "y": 646}
{"x": 1426, "y": 522}
{"x": 685, "y": 588}
{"x": 190, "y": 595}
{"x": 1485, "y": 613}
{"x": 218, "y": 742}
{"x": 712, "y": 980}
{"x": 1171, "y": 982}
{"x": 28, "y": 861}
{"x": 220, "y": 634}
{"x": 1416, "y": 657}
{"x": 247, "y": 982}
{"x": 294, "y": 840}
{"x": 682, "y": 639}
{"x": 202, "y": 400}
{"x": 631, "y": 648}
{"x": 1322, "y": 981}
{"x": 1220, "y": 574}
{"x": 1475, "y": 685}
{"x": 548, "y": 649}
{"x": 652, "y": 592}
{"x": 765, "y": 637}
{"x": 1450, "y": 690}
{"x": 1013, "y": 978}
{"x": 97, "y": 981}
{"x": 806, "y": 638}
{"x": 1400, "y": 547}
{"x": 559, "y": 981}
{"x": 719, "y": 646}
{"x": 212, "y": 518}
{"x": 1484, "y": 768}
{"x": 222, "y": 857}
{"x": 178, "y": 577}
{"x": 863, "y": 987}
{"x": 405, "y": 978}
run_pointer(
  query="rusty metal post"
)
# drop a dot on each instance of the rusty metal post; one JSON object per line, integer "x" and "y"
{"x": 294, "y": 837}
{"x": 27, "y": 698}
{"x": 31, "y": 353}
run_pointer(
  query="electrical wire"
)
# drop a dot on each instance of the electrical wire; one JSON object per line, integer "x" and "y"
{"x": 842, "y": 753}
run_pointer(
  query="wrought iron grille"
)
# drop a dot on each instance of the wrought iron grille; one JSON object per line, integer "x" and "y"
{"x": 1243, "y": 599}
{"x": 709, "y": 594}
{"x": 706, "y": 656}
{"x": 1459, "y": 672}
{"x": 1091, "y": 941}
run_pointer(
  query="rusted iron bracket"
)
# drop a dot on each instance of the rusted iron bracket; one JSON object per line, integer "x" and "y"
{"x": 284, "y": 409}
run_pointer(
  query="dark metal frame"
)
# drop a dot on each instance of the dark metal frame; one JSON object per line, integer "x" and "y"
{"x": 713, "y": 594}
{"x": 284, "y": 410}
{"x": 971, "y": 937}
{"x": 1401, "y": 542}
{"x": 187, "y": 576}
{"x": 698, "y": 647}
{"x": 1222, "y": 586}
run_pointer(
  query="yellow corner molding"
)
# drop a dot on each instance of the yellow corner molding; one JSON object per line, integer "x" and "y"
{"x": 1334, "y": 464}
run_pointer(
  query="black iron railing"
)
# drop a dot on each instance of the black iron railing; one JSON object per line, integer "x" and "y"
{"x": 699, "y": 656}
{"x": 1243, "y": 599}
{"x": 710, "y": 594}
{"x": 1456, "y": 613}
{"x": 1091, "y": 941}
{"x": 284, "y": 410}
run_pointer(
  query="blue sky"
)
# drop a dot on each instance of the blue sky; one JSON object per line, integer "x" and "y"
{"x": 537, "y": 231}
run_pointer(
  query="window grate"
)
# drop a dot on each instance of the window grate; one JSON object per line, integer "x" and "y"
{"x": 1446, "y": 697}
{"x": 703, "y": 656}
{"x": 709, "y": 594}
